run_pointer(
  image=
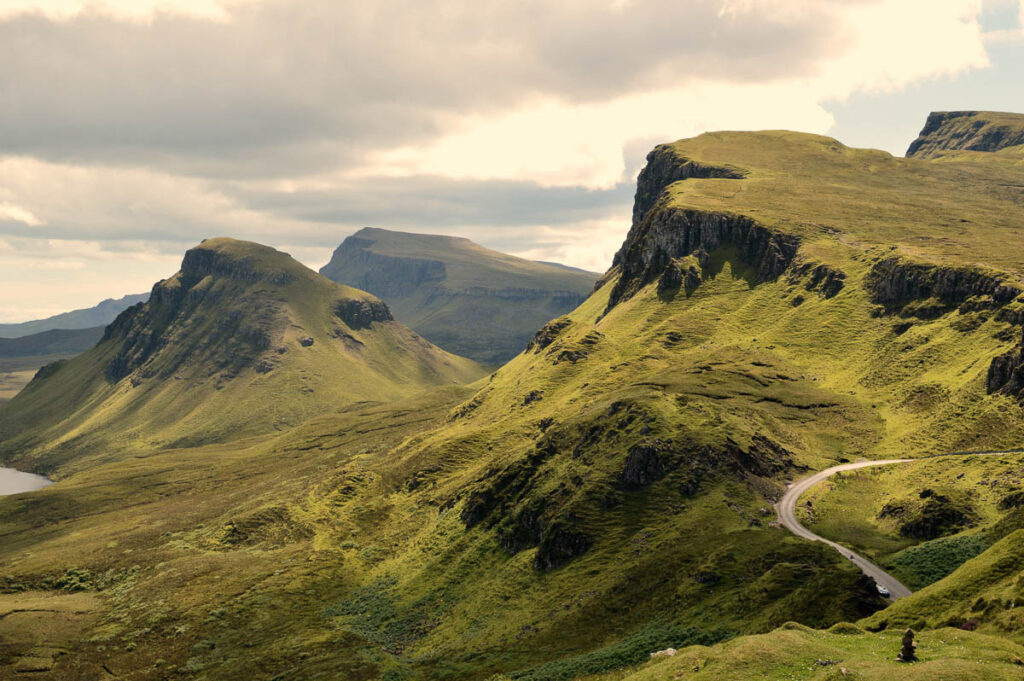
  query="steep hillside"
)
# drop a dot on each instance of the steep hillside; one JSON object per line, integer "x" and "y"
{"x": 950, "y": 131}
{"x": 781, "y": 303}
{"x": 466, "y": 298}
{"x": 243, "y": 340}
{"x": 54, "y": 342}
{"x": 100, "y": 315}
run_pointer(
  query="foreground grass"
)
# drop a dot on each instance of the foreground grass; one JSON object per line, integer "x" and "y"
{"x": 795, "y": 652}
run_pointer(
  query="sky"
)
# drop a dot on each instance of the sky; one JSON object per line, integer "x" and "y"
{"x": 130, "y": 130}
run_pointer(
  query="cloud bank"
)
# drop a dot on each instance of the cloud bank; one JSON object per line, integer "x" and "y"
{"x": 133, "y": 129}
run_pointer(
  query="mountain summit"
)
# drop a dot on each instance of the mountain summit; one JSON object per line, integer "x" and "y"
{"x": 242, "y": 340}
{"x": 466, "y": 298}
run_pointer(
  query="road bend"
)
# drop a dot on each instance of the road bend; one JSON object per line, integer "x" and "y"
{"x": 786, "y": 509}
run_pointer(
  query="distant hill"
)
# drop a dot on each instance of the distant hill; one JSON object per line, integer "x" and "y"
{"x": 54, "y": 342}
{"x": 946, "y": 131}
{"x": 87, "y": 318}
{"x": 242, "y": 340}
{"x": 468, "y": 299}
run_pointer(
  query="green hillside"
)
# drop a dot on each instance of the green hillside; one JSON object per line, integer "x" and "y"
{"x": 243, "y": 340}
{"x": 781, "y": 303}
{"x": 468, "y": 299}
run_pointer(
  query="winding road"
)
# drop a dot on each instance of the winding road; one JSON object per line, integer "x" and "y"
{"x": 786, "y": 509}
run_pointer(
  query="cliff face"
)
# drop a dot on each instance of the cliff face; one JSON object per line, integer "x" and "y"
{"x": 663, "y": 168}
{"x": 662, "y": 234}
{"x": 354, "y": 264}
{"x": 925, "y": 291}
{"x": 471, "y": 301}
{"x": 668, "y": 233}
{"x": 967, "y": 131}
{"x": 896, "y": 284}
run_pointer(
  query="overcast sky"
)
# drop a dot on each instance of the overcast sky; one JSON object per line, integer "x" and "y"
{"x": 132, "y": 129}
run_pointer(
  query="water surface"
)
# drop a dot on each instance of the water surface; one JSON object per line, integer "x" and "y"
{"x": 16, "y": 482}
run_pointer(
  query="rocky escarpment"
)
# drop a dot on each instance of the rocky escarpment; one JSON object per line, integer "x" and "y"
{"x": 230, "y": 340}
{"x": 201, "y": 262}
{"x": 220, "y": 311}
{"x": 1006, "y": 373}
{"x": 668, "y": 233}
{"x": 928, "y": 291}
{"x": 967, "y": 131}
{"x": 664, "y": 167}
{"x": 663, "y": 235}
{"x": 354, "y": 264}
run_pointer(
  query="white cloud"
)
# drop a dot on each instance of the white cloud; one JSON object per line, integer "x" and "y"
{"x": 899, "y": 42}
{"x": 10, "y": 211}
{"x": 136, "y": 10}
{"x": 294, "y": 122}
{"x": 70, "y": 274}
{"x": 562, "y": 144}
{"x": 890, "y": 44}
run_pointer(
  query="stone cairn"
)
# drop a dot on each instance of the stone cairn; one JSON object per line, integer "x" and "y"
{"x": 908, "y": 652}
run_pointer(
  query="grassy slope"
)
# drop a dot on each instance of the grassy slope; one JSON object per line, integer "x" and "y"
{"x": 462, "y": 312}
{"x": 193, "y": 391}
{"x": 376, "y": 571}
{"x": 16, "y": 373}
{"x": 794, "y": 652}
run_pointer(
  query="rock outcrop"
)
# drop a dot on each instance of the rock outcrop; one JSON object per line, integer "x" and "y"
{"x": 667, "y": 233}
{"x": 664, "y": 167}
{"x": 232, "y": 338}
{"x": 360, "y": 314}
{"x": 825, "y": 279}
{"x": 896, "y": 284}
{"x": 1006, "y": 373}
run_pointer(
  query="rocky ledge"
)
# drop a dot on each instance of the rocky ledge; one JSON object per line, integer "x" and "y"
{"x": 665, "y": 167}
{"x": 900, "y": 287}
{"x": 1006, "y": 373}
{"x": 668, "y": 233}
{"x": 360, "y": 314}
{"x": 202, "y": 261}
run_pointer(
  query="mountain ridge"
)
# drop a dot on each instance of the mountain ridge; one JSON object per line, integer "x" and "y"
{"x": 474, "y": 301}
{"x": 99, "y": 315}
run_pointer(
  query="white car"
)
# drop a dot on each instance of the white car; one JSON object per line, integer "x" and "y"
{"x": 882, "y": 591}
